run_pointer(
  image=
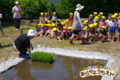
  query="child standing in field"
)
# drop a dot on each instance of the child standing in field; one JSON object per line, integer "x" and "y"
{"x": 42, "y": 18}
{"x": 54, "y": 17}
{"x": 111, "y": 28}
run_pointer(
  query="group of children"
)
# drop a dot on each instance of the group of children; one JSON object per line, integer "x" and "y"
{"x": 96, "y": 27}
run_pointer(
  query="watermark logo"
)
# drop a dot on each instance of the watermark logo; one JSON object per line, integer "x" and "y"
{"x": 96, "y": 71}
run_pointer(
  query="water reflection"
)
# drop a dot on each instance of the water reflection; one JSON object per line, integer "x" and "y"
{"x": 63, "y": 68}
{"x": 23, "y": 70}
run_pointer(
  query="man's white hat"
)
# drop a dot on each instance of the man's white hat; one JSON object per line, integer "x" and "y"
{"x": 16, "y": 2}
{"x": 31, "y": 33}
{"x": 79, "y": 7}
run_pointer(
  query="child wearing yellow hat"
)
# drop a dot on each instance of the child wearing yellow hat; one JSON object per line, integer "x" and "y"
{"x": 37, "y": 29}
{"x": 42, "y": 18}
{"x": 116, "y": 17}
{"x": 91, "y": 32}
{"x": 111, "y": 28}
{"x": 54, "y": 17}
{"x": 48, "y": 32}
{"x": 46, "y": 17}
{"x": 95, "y": 14}
{"x": 43, "y": 29}
{"x": 70, "y": 31}
{"x": 103, "y": 34}
{"x": 90, "y": 19}
{"x": 102, "y": 22}
{"x": 84, "y": 33}
{"x": 70, "y": 17}
{"x": 97, "y": 30}
{"x": 100, "y": 16}
{"x": 96, "y": 18}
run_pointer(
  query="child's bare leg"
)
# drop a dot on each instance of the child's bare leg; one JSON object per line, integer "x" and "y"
{"x": 58, "y": 38}
{"x": 118, "y": 39}
{"x": 100, "y": 37}
{"x": 113, "y": 37}
{"x": 110, "y": 36}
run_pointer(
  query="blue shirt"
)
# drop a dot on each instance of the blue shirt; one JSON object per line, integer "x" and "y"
{"x": 38, "y": 30}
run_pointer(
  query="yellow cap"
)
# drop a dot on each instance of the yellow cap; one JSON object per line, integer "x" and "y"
{"x": 67, "y": 20}
{"x": 46, "y": 13}
{"x": 82, "y": 19}
{"x": 90, "y": 15}
{"x": 86, "y": 21}
{"x": 59, "y": 20}
{"x": 95, "y": 24}
{"x": 48, "y": 25}
{"x": 42, "y": 25}
{"x": 104, "y": 27}
{"x": 103, "y": 17}
{"x": 48, "y": 21}
{"x": 54, "y": 12}
{"x": 54, "y": 29}
{"x": 101, "y": 13}
{"x": 62, "y": 23}
{"x": 53, "y": 25}
{"x": 64, "y": 27}
{"x": 116, "y": 14}
{"x": 70, "y": 27}
{"x": 95, "y": 13}
{"x": 113, "y": 16}
{"x": 39, "y": 24}
{"x": 41, "y": 13}
{"x": 70, "y": 13}
{"x": 84, "y": 29}
{"x": 91, "y": 25}
{"x": 96, "y": 17}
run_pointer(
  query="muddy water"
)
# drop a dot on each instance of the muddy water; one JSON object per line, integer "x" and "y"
{"x": 63, "y": 68}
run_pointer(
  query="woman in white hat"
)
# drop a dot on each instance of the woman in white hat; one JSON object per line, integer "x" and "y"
{"x": 22, "y": 43}
{"x": 77, "y": 24}
{"x": 16, "y": 15}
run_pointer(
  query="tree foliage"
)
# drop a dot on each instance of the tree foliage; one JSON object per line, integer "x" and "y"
{"x": 33, "y": 7}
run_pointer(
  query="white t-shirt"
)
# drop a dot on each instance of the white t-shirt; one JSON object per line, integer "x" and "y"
{"x": 111, "y": 23}
{"x": 54, "y": 18}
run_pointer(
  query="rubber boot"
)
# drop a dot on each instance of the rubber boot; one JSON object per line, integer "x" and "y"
{"x": 83, "y": 41}
{"x": 71, "y": 41}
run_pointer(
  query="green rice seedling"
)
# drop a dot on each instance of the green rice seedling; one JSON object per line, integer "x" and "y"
{"x": 42, "y": 57}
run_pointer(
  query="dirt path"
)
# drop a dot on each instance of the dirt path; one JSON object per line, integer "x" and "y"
{"x": 6, "y": 51}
